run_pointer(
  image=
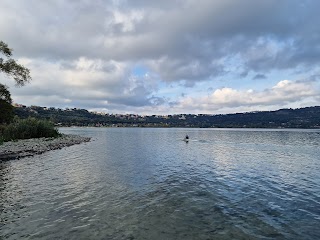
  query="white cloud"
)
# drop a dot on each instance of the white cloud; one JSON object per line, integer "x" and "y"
{"x": 86, "y": 81}
{"x": 283, "y": 93}
{"x": 84, "y": 52}
{"x": 127, "y": 20}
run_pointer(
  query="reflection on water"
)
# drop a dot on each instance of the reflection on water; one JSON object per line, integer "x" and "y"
{"x": 135, "y": 183}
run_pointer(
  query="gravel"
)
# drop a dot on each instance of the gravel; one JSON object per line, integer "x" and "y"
{"x": 30, "y": 147}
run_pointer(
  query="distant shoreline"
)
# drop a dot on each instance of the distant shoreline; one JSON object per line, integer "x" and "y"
{"x": 30, "y": 147}
{"x": 304, "y": 118}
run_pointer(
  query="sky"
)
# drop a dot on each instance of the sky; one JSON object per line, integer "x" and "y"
{"x": 165, "y": 57}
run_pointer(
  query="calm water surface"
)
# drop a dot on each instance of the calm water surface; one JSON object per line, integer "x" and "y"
{"x": 142, "y": 183}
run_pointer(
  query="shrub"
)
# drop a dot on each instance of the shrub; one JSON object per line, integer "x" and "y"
{"x": 29, "y": 128}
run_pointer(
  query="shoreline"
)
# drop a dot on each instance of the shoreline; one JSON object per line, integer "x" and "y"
{"x": 30, "y": 147}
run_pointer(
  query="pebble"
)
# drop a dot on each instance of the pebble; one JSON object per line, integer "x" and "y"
{"x": 30, "y": 147}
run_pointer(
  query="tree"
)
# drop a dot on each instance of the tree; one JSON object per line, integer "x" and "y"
{"x": 6, "y": 112}
{"x": 6, "y": 109}
{"x": 19, "y": 73}
{"x": 10, "y": 67}
{"x": 5, "y": 94}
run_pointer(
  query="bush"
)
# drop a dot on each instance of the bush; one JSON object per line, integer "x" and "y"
{"x": 28, "y": 128}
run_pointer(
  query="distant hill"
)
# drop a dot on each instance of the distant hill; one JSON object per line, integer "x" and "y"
{"x": 308, "y": 117}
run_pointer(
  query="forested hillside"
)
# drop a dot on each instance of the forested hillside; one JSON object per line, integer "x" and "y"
{"x": 284, "y": 118}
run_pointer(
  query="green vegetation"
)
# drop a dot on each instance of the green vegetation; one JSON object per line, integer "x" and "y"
{"x": 284, "y": 118}
{"x": 19, "y": 73}
{"x": 10, "y": 128}
{"x": 10, "y": 67}
{"x": 6, "y": 112}
{"x": 27, "y": 128}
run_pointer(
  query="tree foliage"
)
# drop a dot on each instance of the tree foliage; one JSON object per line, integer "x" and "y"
{"x": 6, "y": 109}
{"x": 19, "y": 73}
{"x": 5, "y": 94}
{"x": 6, "y": 112}
{"x": 284, "y": 118}
{"x": 13, "y": 69}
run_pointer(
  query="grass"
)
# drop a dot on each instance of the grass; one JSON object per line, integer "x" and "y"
{"x": 27, "y": 128}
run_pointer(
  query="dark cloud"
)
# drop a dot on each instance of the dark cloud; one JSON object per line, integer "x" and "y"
{"x": 184, "y": 32}
{"x": 259, "y": 76}
{"x": 96, "y": 44}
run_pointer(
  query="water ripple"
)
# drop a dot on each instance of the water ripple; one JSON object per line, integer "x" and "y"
{"x": 148, "y": 184}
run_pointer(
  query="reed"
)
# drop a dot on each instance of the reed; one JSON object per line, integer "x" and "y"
{"x": 27, "y": 128}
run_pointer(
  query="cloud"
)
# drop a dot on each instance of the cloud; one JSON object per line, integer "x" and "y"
{"x": 202, "y": 31}
{"x": 84, "y": 52}
{"x": 89, "y": 82}
{"x": 259, "y": 76}
{"x": 283, "y": 93}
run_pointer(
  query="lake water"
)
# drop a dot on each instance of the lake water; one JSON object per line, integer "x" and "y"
{"x": 145, "y": 183}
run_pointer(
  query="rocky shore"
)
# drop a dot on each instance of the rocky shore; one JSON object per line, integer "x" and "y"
{"x": 31, "y": 147}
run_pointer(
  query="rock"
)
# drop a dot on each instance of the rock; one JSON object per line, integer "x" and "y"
{"x": 31, "y": 147}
